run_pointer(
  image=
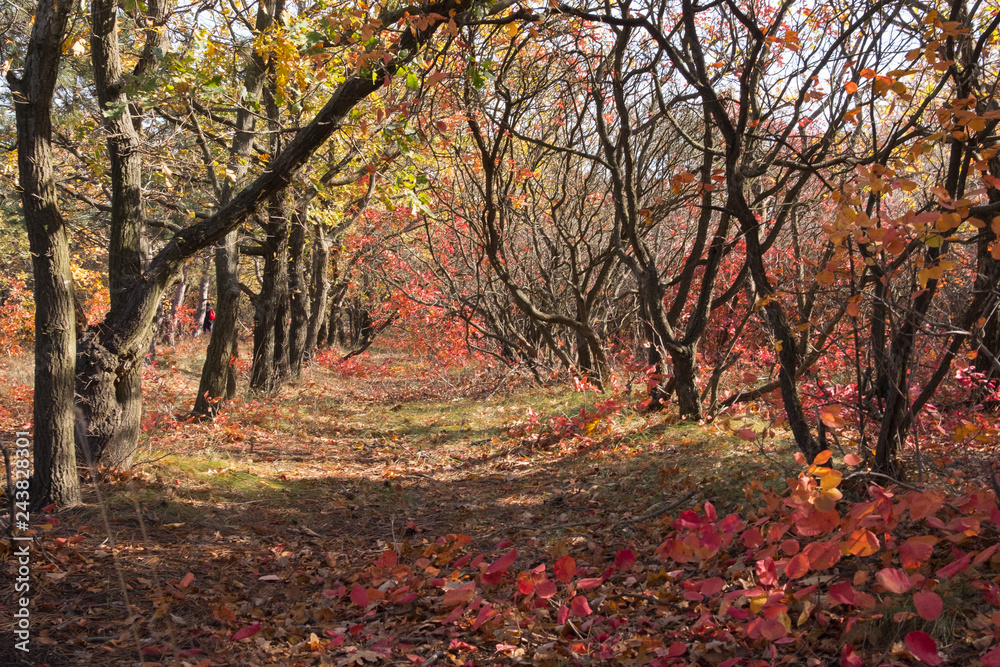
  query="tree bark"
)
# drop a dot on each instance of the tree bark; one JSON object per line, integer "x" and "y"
{"x": 319, "y": 291}
{"x": 55, "y": 479}
{"x": 270, "y": 326}
{"x": 298, "y": 290}
{"x": 218, "y": 374}
{"x": 175, "y": 307}
{"x": 203, "y": 288}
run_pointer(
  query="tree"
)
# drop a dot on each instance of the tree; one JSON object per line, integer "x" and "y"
{"x": 55, "y": 478}
{"x": 109, "y": 368}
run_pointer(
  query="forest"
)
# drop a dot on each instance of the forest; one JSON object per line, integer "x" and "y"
{"x": 493, "y": 332}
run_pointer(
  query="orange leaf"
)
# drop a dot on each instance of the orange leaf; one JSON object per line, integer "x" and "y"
{"x": 187, "y": 580}
{"x": 822, "y": 457}
{"x": 565, "y": 569}
{"x": 862, "y": 542}
{"x": 851, "y": 87}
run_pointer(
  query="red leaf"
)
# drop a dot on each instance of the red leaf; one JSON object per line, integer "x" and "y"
{"x": 525, "y": 583}
{"x": 359, "y": 596}
{"x": 928, "y": 604}
{"x": 848, "y": 658}
{"x": 790, "y": 547}
{"x": 924, "y": 504}
{"x": 565, "y": 569}
{"x": 545, "y": 589}
{"x": 484, "y": 615}
{"x": 677, "y": 649}
{"x": 243, "y": 633}
{"x": 587, "y": 584}
{"x": 822, "y": 555}
{"x": 562, "y": 615}
{"x": 500, "y": 565}
{"x": 992, "y": 659}
{"x": 852, "y": 460}
{"x": 951, "y": 569}
{"x": 766, "y": 572}
{"x": 797, "y": 567}
{"x": 843, "y": 592}
{"x": 580, "y": 606}
{"x": 772, "y": 630}
{"x": 455, "y": 596}
{"x": 915, "y": 551}
{"x": 624, "y": 559}
{"x": 893, "y": 580}
{"x": 923, "y": 647}
{"x": 710, "y": 587}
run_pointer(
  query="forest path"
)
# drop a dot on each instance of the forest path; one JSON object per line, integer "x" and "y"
{"x": 283, "y": 496}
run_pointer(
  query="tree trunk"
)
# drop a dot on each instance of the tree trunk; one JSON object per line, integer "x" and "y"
{"x": 298, "y": 289}
{"x": 218, "y": 372}
{"x": 319, "y": 291}
{"x": 157, "y": 328}
{"x": 55, "y": 479}
{"x": 683, "y": 359}
{"x": 203, "y": 287}
{"x": 270, "y": 331}
{"x": 175, "y": 307}
{"x": 987, "y": 269}
{"x": 109, "y": 382}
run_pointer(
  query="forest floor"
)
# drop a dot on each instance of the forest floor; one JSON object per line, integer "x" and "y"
{"x": 282, "y": 532}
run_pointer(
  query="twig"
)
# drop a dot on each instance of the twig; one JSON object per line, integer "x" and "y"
{"x": 639, "y": 596}
{"x": 644, "y": 517}
{"x": 869, "y": 473}
{"x": 658, "y": 512}
{"x": 437, "y": 655}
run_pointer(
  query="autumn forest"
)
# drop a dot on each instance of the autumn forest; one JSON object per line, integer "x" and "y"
{"x": 490, "y": 332}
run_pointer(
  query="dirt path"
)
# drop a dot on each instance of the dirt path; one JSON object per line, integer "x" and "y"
{"x": 284, "y": 498}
